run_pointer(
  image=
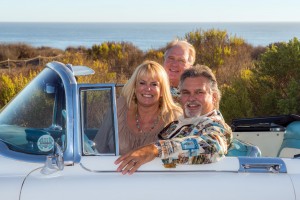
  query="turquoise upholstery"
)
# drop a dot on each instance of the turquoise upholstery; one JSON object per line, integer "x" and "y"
{"x": 88, "y": 146}
{"x": 291, "y": 138}
{"x": 241, "y": 148}
{"x": 88, "y": 143}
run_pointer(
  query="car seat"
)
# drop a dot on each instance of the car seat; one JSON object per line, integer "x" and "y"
{"x": 241, "y": 148}
{"x": 291, "y": 141}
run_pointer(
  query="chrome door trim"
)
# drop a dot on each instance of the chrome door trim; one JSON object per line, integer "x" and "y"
{"x": 261, "y": 165}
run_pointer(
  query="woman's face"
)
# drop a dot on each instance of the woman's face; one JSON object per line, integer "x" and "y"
{"x": 148, "y": 91}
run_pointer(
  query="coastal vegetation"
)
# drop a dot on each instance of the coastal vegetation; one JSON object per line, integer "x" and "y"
{"x": 254, "y": 81}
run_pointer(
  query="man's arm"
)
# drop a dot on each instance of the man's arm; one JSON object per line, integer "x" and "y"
{"x": 205, "y": 141}
{"x": 203, "y": 147}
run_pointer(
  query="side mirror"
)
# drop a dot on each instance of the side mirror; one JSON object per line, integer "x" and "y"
{"x": 54, "y": 162}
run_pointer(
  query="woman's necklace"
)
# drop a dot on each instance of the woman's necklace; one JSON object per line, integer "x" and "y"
{"x": 138, "y": 126}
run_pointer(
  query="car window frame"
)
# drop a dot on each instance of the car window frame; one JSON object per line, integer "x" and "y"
{"x": 113, "y": 94}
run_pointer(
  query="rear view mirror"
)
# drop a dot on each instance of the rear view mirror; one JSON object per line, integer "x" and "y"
{"x": 49, "y": 88}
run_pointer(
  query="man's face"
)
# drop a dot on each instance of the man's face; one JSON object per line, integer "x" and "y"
{"x": 196, "y": 97}
{"x": 175, "y": 63}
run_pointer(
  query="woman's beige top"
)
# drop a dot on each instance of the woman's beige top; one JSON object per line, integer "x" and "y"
{"x": 128, "y": 139}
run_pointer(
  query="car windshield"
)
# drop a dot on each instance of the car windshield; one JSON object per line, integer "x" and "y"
{"x": 35, "y": 119}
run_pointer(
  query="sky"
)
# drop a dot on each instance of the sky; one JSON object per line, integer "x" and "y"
{"x": 149, "y": 11}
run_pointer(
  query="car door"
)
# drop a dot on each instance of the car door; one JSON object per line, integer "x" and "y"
{"x": 95, "y": 177}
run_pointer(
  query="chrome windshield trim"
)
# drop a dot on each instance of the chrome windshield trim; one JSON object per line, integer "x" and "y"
{"x": 70, "y": 83}
{"x": 261, "y": 165}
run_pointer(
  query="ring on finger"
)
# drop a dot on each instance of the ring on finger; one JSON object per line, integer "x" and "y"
{"x": 134, "y": 161}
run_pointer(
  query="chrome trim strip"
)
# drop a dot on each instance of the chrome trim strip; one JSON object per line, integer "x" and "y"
{"x": 116, "y": 129}
{"x": 156, "y": 171}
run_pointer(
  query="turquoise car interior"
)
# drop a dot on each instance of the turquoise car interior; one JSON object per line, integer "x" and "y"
{"x": 291, "y": 140}
{"x": 241, "y": 148}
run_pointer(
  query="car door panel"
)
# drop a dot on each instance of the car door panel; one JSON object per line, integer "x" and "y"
{"x": 153, "y": 181}
{"x": 12, "y": 175}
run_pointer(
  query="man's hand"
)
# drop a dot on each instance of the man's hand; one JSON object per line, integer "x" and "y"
{"x": 131, "y": 161}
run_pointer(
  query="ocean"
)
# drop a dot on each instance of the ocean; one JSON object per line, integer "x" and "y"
{"x": 143, "y": 35}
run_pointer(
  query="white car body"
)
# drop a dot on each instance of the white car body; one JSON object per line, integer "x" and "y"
{"x": 84, "y": 173}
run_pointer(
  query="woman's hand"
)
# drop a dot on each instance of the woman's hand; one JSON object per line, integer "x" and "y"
{"x": 131, "y": 161}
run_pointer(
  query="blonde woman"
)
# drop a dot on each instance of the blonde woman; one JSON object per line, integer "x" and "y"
{"x": 144, "y": 108}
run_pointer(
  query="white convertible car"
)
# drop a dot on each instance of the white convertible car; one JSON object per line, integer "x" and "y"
{"x": 47, "y": 151}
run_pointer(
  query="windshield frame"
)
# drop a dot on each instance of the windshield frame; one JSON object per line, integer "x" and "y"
{"x": 69, "y": 83}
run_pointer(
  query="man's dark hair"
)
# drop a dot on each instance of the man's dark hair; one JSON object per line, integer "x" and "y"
{"x": 202, "y": 71}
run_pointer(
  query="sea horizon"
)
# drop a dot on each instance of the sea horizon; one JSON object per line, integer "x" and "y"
{"x": 144, "y": 35}
{"x": 151, "y": 22}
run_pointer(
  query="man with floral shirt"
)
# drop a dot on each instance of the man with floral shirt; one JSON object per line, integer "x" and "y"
{"x": 200, "y": 137}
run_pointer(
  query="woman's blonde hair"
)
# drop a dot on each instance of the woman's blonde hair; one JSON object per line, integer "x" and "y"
{"x": 169, "y": 110}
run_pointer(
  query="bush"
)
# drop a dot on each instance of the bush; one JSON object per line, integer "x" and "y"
{"x": 277, "y": 76}
{"x": 236, "y": 101}
{"x": 12, "y": 85}
{"x": 255, "y": 81}
{"x": 226, "y": 55}
{"x": 121, "y": 58}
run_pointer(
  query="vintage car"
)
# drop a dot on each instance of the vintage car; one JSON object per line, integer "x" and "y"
{"x": 47, "y": 150}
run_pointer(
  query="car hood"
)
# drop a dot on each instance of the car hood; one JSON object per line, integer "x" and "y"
{"x": 12, "y": 175}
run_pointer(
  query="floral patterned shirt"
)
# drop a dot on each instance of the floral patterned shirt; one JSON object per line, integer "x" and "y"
{"x": 175, "y": 94}
{"x": 197, "y": 140}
